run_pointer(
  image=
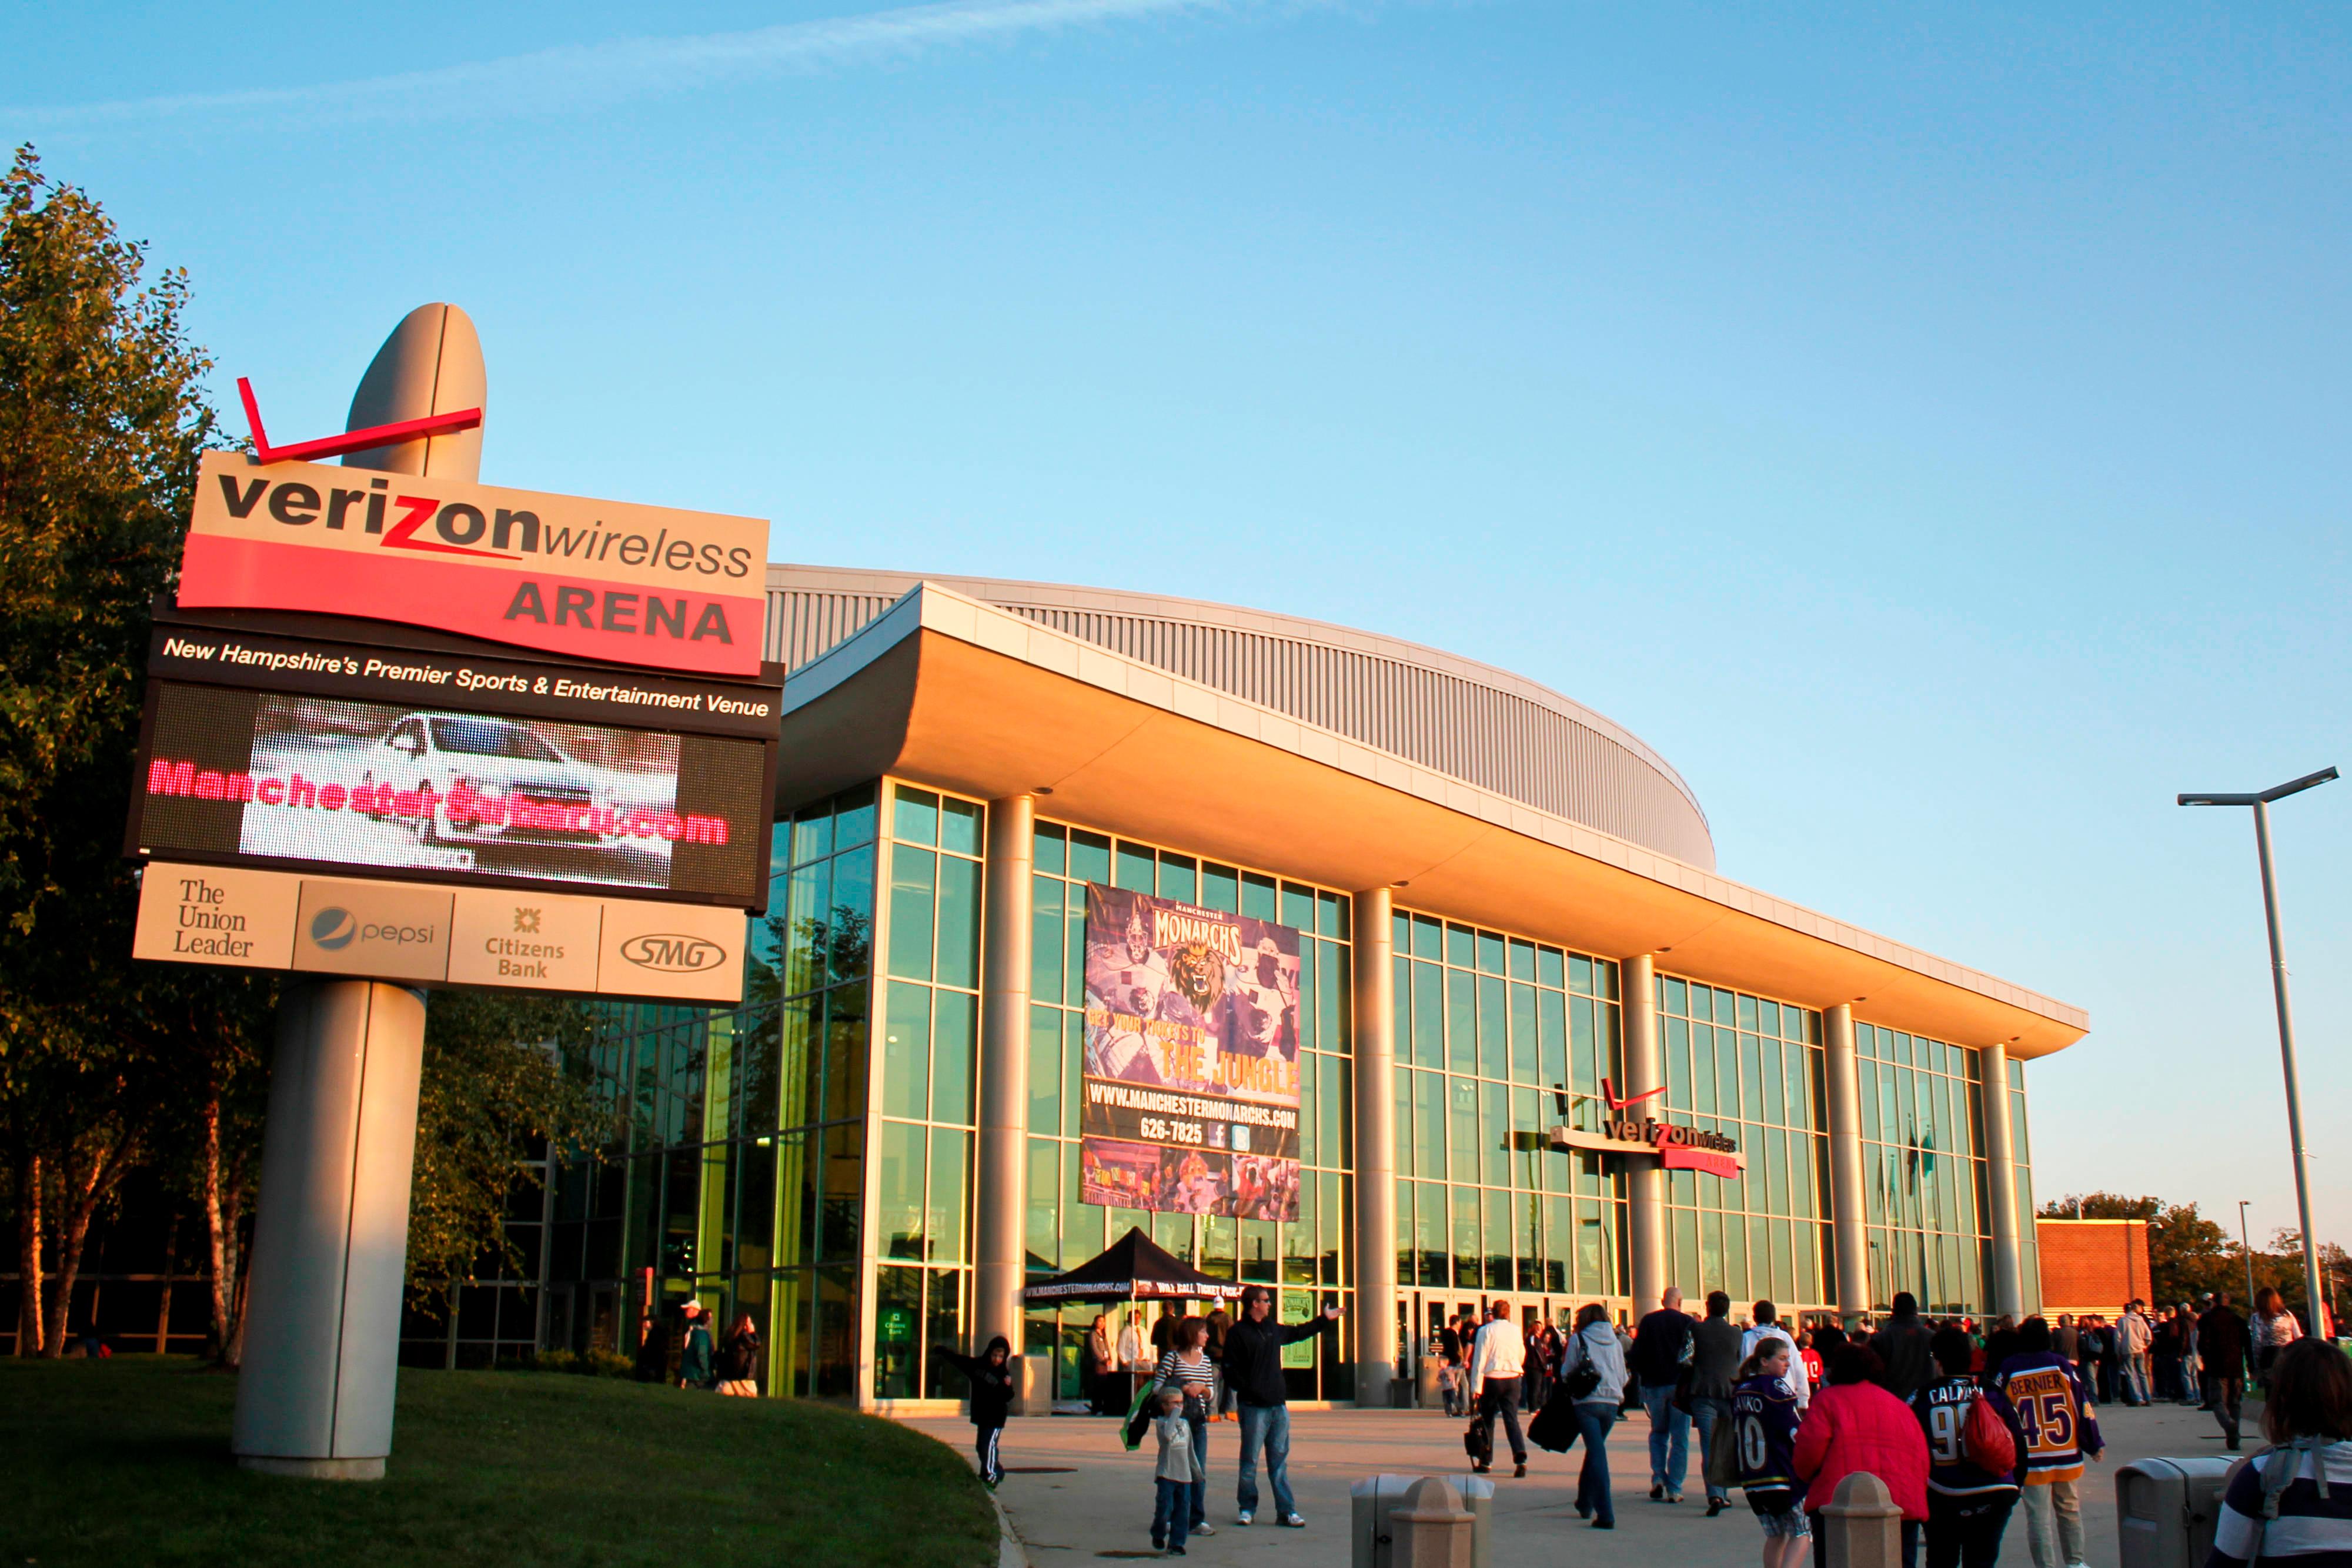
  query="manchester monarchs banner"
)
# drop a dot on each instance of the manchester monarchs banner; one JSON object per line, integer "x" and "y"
{"x": 1191, "y": 1073}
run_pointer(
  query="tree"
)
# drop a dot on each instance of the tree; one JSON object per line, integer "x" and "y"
{"x": 502, "y": 1075}
{"x": 102, "y": 421}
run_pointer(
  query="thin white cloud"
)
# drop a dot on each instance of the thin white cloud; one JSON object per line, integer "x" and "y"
{"x": 593, "y": 76}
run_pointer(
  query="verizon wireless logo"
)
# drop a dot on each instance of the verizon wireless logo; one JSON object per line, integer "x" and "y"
{"x": 460, "y": 528}
{"x": 516, "y": 536}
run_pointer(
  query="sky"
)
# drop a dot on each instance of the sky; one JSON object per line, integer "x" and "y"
{"x": 1924, "y": 428}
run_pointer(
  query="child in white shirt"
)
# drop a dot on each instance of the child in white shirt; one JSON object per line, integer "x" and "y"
{"x": 1172, "y": 1509}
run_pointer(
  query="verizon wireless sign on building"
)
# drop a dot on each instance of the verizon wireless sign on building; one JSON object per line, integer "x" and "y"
{"x": 598, "y": 580}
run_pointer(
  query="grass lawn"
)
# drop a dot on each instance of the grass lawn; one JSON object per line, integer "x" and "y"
{"x": 127, "y": 1462}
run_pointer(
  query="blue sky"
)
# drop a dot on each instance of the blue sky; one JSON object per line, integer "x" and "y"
{"x": 1926, "y": 429}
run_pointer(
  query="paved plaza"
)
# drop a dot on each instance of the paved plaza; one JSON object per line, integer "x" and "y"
{"x": 1073, "y": 1496}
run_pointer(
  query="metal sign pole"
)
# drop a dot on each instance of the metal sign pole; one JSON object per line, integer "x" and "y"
{"x": 2287, "y": 1055}
{"x": 314, "y": 1398}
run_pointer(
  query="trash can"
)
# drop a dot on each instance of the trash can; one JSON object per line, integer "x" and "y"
{"x": 1371, "y": 1500}
{"x": 1479, "y": 1497}
{"x": 2166, "y": 1508}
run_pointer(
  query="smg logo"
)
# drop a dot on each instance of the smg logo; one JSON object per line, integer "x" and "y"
{"x": 674, "y": 954}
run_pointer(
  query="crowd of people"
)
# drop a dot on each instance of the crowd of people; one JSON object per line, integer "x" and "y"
{"x": 1966, "y": 1423}
{"x": 2143, "y": 1357}
{"x": 1196, "y": 1371}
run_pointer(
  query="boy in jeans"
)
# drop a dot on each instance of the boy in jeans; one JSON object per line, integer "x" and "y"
{"x": 1172, "y": 1509}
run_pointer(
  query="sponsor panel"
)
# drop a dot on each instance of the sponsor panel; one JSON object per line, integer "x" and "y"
{"x": 436, "y": 936}
{"x": 216, "y": 914}
{"x": 534, "y": 941}
{"x": 605, "y": 579}
{"x": 671, "y": 951}
{"x": 1191, "y": 1079}
{"x": 383, "y": 930}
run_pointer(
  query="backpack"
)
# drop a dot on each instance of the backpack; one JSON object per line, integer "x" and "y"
{"x": 1985, "y": 1438}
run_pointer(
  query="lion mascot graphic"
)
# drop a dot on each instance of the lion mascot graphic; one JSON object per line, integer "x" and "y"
{"x": 1198, "y": 972}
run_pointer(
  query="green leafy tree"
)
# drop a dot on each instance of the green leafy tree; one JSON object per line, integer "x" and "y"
{"x": 503, "y": 1075}
{"x": 102, "y": 417}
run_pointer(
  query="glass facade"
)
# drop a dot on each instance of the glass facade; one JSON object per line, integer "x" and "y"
{"x": 739, "y": 1175}
{"x": 1925, "y": 1193}
{"x": 1751, "y": 1069}
{"x": 1498, "y": 1040}
{"x": 1307, "y": 1259}
{"x": 808, "y": 1157}
{"x": 929, "y": 1043}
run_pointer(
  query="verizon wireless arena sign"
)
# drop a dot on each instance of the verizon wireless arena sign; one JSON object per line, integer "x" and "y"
{"x": 598, "y": 579}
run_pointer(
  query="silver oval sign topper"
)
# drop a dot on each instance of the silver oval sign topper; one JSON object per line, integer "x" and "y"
{"x": 673, "y": 954}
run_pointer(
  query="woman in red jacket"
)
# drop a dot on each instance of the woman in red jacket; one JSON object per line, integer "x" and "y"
{"x": 1855, "y": 1424}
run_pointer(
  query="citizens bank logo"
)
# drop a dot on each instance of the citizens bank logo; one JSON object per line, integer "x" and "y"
{"x": 674, "y": 954}
{"x": 333, "y": 929}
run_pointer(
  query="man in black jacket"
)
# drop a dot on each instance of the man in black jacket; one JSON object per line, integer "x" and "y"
{"x": 2222, "y": 1340}
{"x": 1254, "y": 1371}
{"x": 1904, "y": 1343}
{"x": 1715, "y": 1367}
{"x": 1662, "y": 1348}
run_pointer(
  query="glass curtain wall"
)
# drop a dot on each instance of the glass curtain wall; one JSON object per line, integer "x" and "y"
{"x": 2021, "y": 1149}
{"x": 1751, "y": 1069}
{"x": 1924, "y": 1194}
{"x": 1305, "y": 1260}
{"x": 924, "y": 1142}
{"x": 1493, "y": 1031}
{"x": 739, "y": 1175}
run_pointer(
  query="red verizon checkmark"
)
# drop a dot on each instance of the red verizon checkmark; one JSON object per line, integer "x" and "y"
{"x": 349, "y": 440}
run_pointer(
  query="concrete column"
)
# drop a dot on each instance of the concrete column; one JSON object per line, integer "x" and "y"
{"x": 2000, "y": 1184}
{"x": 331, "y": 1232}
{"x": 330, "y": 1227}
{"x": 1848, "y": 1228}
{"x": 1374, "y": 1241}
{"x": 999, "y": 1181}
{"x": 1645, "y": 1182}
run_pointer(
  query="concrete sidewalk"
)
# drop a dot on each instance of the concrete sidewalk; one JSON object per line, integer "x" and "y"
{"x": 1075, "y": 1495}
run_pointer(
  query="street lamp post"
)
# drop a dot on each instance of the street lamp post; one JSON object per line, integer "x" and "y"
{"x": 2261, "y": 803}
{"x": 2246, "y": 1251}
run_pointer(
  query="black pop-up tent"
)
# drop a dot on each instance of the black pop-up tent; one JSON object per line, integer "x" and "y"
{"x": 1133, "y": 1268}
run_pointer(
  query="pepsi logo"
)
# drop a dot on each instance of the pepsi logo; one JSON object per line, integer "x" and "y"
{"x": 333, "y": 929}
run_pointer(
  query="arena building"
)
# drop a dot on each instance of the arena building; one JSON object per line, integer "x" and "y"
{"x": 1511, "y": 923}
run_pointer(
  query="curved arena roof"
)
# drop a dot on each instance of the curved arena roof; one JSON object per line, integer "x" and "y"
{"x": 1450, "y": 714}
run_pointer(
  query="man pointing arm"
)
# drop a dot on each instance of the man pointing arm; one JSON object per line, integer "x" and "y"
{"x": 1253, "y": 1369}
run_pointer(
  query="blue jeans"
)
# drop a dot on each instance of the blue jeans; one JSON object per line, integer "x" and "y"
{"x": 1199, "y": 1482}
{"x": 1704, "y": 1414}
{"x": 1593, "y": 1423}
{"x": 1268, "y": 1424}
{"x": 1172, "y": 1512}
{"x": 1669, "y": 1438}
